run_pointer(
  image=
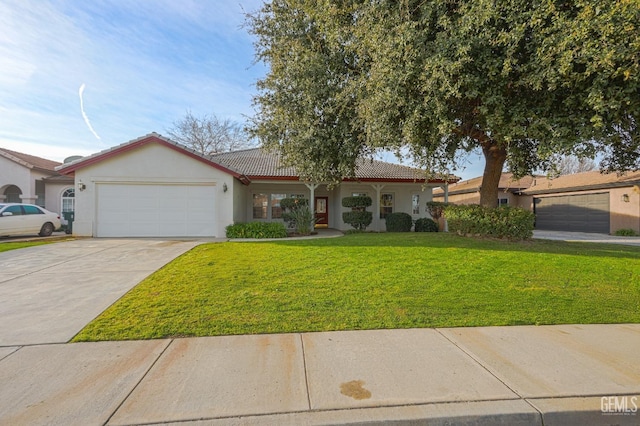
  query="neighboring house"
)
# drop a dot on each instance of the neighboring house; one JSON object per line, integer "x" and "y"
{"x": 581, "y": 202}
{"x": 152, "y": 186}
{"x": 33, "y": 180}
{"x": 468, "y": 191}
{"x": 587, "y": 202}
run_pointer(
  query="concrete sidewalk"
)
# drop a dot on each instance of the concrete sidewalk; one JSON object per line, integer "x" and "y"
{"x": 526, "y": 375}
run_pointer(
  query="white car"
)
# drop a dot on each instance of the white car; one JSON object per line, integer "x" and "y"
{"x": 23, "y": 219}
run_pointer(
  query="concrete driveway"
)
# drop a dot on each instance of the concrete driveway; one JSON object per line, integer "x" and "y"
{"x": 586, "y": 237}
{"x": 50, "y": 292}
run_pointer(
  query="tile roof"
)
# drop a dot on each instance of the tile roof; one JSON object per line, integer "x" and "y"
{"x": 30, "y": 161}
{"x": 259, "y": 163}
{"x": 583, "y": 182}
{"x": 507, "y": 182}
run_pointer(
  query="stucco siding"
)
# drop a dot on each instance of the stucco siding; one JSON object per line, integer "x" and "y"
{"x": 150, "y": 164}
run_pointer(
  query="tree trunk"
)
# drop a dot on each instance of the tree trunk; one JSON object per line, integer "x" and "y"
{"x": 494, "y": 156}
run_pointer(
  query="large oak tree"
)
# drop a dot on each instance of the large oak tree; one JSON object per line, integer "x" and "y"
{"x": 522, "y": 80}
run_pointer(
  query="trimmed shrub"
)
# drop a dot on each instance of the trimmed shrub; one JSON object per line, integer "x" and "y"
{"x": 625, "y": 233}
{"x": 399, "y": 222}
{"x": 359, "y": 203}
{"x": 358, "y": 219}
{"x": 505, "y": 222}
{"x": 256, "y": 230}
{"x": 424, "y": 224}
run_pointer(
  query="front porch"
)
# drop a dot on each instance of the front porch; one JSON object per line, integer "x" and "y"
{"x": 260, "y": 201}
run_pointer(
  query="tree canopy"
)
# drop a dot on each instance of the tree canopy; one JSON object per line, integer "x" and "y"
{"x": 522, "y": 80}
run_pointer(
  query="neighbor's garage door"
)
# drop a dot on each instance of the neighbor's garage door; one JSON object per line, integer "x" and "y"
{"x": 155, "y": 210}
{"x": 574, "y": 213}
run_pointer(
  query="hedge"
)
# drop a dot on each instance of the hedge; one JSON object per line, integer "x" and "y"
{"x": 256, "y": 230}
{"x": 399, "y": 222}
{"x": 503, "y": 222}
{"x": 426, "y": 224}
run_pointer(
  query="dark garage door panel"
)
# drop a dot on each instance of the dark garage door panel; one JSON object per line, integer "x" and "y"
{"x": 577, "y": 213}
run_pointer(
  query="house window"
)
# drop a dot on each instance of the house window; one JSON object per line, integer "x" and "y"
{"x": 298, "y": 196}
{"x": 359, "y": 194}
{"x": 260, "y": 204}
{"x": 276, "y": 210}
{"x": 503, "y": 202}
{"x": 386, "y": 205}
{"x": 415, "y": 204}
{"x": 68, "y": 200}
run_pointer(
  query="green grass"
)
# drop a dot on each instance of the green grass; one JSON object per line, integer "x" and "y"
{"x": 6, "y": 246}
{"x": 373, "y": 281}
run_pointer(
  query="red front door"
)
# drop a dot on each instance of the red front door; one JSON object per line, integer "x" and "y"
{"x": 322, "y": 212}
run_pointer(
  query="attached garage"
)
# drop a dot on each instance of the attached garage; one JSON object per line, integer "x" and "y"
{"x": 573, "y": 213}
{"x": 152, "y": 187}
{"x": 151, "y": 209}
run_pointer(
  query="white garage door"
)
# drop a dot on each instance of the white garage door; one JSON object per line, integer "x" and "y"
{"x": 155, "y": 210}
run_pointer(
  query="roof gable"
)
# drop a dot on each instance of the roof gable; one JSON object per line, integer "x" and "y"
{"x": 152, "y": 138}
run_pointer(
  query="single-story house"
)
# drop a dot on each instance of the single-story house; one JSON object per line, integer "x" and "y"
{"x": 33, "y": 180}
{"x": 153, "y": 186}
{"x": 468, "y": 191}
{"x": 587, "y": 202}
{"x": 580, "y": 202}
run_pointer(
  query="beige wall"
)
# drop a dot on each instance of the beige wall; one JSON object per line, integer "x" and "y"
{"x": 12, "y": 173}
{"x": 151, "y": 163}
{"x": 625, "y": 214}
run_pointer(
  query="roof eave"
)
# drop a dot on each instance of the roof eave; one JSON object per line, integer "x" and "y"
{"x": 581, "y": 188}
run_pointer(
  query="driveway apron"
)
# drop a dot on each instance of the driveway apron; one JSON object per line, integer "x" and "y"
{"x": 50, "y": 292}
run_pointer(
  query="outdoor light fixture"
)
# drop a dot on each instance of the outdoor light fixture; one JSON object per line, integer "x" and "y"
{"x": 81, "y": 186}
{"x": 625, "y": 198}
{"x": 224, "y": 187}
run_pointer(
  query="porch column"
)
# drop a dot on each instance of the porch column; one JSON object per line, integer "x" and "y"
{"x": 376, "y": 213}
{"x": 446, "y": 200}
{"x": 312, "y": 199}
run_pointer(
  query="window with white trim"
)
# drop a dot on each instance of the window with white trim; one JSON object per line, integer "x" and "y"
{"x": 415, "y": 203}
{"x": 69, "y": 200}
{"x": 260, "y": 206}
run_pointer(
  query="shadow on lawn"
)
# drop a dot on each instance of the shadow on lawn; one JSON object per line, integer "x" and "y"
{"x": 452, "y": 241}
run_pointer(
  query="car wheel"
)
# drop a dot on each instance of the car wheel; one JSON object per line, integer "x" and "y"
{"x": 46, "y": 230}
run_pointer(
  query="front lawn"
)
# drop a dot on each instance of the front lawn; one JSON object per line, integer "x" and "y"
{"x": 372, "y": 281}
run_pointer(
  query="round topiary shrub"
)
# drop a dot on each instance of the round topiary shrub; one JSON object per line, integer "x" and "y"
{"x": 359, "y": 202}
{"x": 399, "y": 222}
{"x": 424, "y": 224}
{"x": 359, "y": 220}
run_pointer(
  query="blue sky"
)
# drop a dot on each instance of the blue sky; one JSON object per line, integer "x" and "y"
{"x": 137, "y": 66}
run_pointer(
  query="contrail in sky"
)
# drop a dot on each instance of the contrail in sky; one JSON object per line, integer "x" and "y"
{"x": 84, "y": 115}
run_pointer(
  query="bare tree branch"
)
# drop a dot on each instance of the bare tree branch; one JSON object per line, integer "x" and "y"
{"x": 210, "y": 135}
